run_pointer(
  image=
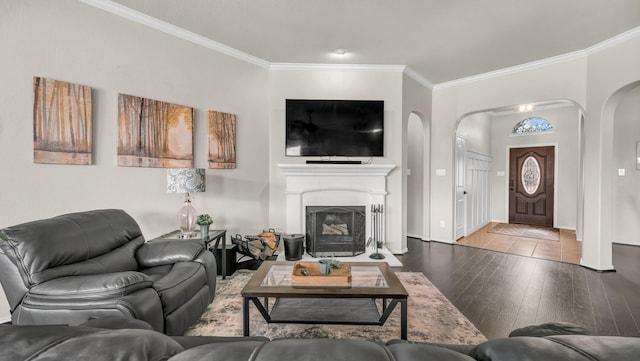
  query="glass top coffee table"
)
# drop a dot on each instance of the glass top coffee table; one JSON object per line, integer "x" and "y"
{"x": 354, "y": 304}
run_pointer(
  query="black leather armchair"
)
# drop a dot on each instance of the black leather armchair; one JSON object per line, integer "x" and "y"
{"x": 70, "y": 268}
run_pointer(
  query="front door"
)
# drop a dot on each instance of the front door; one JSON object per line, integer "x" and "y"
{"x": 531, "y": 185}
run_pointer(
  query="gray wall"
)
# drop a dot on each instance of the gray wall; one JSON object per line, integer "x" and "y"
{"x": 415, "y": 179}
{"x": 626, "y": 211}
{"x": 70, "y": 41}
{"x": 476, "y": 130}
{"x": 416, "y": 103}
{"x": 564, "y": 138}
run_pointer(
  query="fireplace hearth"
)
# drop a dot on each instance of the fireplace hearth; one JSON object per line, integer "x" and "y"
{"x": 335, "y": 231}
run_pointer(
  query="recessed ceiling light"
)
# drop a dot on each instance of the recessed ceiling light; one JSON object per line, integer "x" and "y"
{"x": 340, "y": 51}
{"x": 525, "y": 108}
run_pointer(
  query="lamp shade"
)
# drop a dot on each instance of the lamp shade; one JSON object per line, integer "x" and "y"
{"x": 185, "y": 180}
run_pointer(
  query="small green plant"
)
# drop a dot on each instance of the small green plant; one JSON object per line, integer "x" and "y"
{"x": 333, "y": 263}
{"x": 204, "y": 219}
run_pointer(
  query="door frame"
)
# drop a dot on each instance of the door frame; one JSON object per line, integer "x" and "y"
{"x": 555, "y": 175}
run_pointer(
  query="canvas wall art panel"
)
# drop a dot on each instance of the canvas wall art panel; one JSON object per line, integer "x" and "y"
{"x": 62, "y": 122}
{"x": 222, "y": 140}
{"x": 153, "y": 133}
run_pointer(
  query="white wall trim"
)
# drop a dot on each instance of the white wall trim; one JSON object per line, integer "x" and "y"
{"x": 579, "y": 54}
{"x": 620, "y": 38}
{"x": 330, "y": 66}
{"x": 154, "y": 23}
{"x": 5, "y": 319}
{"x": 417, "y": 77}
{"x": 513, "y": 69}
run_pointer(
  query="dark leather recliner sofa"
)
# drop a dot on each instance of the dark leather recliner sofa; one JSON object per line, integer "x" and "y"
{"x": 74, "y": 267}
{"x": 95, "y": 343}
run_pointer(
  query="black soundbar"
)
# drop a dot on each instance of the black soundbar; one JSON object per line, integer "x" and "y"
{"x": 334, "y": 162}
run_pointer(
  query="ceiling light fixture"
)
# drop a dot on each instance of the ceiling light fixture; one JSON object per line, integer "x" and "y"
{"x": 340, "y": 51}
{"x": 525, "y": 108}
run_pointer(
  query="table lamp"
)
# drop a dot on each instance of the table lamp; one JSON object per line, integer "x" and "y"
{"x": 186, "y": 180}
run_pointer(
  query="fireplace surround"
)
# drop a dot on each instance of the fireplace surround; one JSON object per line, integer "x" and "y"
{"x": 333, "y": 185}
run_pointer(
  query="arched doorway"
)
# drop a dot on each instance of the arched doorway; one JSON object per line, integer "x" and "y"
{"x": 626, "y": 166}
{"x": 489, "y": 133}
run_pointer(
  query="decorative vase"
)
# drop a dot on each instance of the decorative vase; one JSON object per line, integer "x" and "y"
{"x": 325, "y": 268}
{"x": 204, "y": 231}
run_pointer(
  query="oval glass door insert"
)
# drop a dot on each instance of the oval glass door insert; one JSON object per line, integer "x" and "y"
{"x": 530, "y": 174}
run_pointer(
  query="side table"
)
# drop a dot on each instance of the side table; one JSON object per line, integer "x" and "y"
{"x": 211, "y": 242}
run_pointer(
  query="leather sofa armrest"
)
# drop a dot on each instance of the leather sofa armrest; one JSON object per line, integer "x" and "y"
{"x": 159, "y": 253}
{"x": 90, "y": 287}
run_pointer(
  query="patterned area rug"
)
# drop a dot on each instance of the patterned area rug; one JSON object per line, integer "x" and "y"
{"x": 523, "y": 230}
{"x": 432, "y": 318}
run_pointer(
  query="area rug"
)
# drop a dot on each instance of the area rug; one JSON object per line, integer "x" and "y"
{"x": 432, "y": 318}
{"x": 523, "y": 230}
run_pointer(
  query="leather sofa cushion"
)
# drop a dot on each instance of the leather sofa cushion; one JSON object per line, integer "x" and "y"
{"x": 116, "y": 323}
{"x": 527, "y": 349}
{"x": 179, "y": 284}
{"x": 602, "y": 348}
{"x": 412, "y": 352}
{"x": 92, "y": 287}
{"x": 225, "y": 351}
{"x": 59, "y": 246}
{"x": 329, "y": 349}
{"x": 83, "y": 343}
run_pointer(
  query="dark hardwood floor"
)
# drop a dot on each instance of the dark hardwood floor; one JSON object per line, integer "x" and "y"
{"x": 499, "y": 292}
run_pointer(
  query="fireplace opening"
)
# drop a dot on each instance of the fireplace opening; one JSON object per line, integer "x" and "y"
{"x": 335, "y": 231}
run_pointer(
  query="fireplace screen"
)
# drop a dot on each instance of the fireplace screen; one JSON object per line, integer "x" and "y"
{"x": 335, "y": 231}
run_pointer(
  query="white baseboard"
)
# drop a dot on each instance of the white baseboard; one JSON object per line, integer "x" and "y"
{"x": 5, "y": 319}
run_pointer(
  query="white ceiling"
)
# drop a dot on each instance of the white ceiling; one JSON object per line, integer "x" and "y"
{"x": 440, "y": 40}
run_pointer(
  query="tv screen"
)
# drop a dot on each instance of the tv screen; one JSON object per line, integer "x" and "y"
{"x": 351, "y": 128}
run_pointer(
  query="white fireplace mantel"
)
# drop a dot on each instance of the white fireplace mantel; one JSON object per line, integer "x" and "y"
{"x": 332, "y": 185}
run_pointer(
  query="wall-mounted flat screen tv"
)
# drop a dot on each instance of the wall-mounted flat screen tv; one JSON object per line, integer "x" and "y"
{"x": 350, "y": 128}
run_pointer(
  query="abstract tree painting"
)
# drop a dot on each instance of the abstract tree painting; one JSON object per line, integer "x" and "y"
{"x": 222, "y": 140}
{"x": 61, "y": 122}
{"x": 153, "y": 133}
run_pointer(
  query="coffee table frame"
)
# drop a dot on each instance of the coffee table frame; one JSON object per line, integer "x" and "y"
{"x": 391, "y": 296}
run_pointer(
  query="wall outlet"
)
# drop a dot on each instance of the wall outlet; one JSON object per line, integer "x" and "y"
{"x": 621, "y": 171}
{"x": 442, "y": 224}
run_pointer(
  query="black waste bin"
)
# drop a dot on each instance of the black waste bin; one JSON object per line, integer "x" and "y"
{"x": 293, "y": 246}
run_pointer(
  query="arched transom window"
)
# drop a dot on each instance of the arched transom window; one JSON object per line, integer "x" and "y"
{"x": 532, "y": 125}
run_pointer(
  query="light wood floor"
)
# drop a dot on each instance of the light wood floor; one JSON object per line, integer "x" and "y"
{"x": 567, "y": 249}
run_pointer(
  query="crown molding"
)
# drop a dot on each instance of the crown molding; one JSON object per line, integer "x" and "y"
{"x": 579, "y": 54}
{"x": 157, "y": 24}
{"x": 513, "y": 69}
{"x": 618, "y": 39}
{"x": 154, "y": 23}
{"x": 417, "y": 77}
{"x": 332, "y": 66}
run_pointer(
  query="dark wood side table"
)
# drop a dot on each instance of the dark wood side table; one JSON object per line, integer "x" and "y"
{"x": 211, "y": 242}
